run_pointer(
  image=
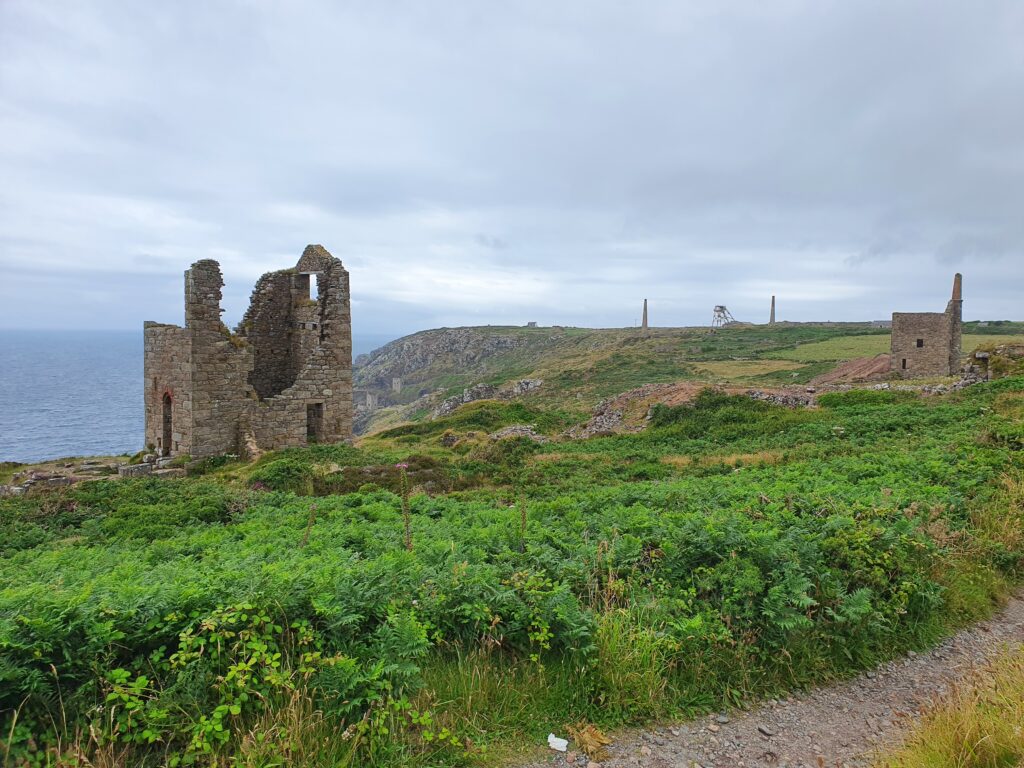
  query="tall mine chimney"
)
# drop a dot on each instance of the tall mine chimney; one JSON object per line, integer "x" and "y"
{"x": 954, "y": 313}
{"x": 643, "y": 325}
{"x": 771, "y": 317}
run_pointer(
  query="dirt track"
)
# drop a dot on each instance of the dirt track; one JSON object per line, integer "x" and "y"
{"x": 837, "y": 725}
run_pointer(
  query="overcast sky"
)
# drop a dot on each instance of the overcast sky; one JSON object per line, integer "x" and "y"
{"x": 481, "y": 162}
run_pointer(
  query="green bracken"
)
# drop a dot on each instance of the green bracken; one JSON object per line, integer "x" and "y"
{"x": 734, "y": 549}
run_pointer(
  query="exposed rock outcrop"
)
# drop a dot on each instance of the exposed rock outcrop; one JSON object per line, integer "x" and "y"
{"x": 56, "y": 475}
{"x": 486, "y": 392}
{"x": 520, "y": 430}
{"x": 410, "y": 358}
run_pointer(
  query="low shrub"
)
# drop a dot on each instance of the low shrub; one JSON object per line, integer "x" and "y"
{"x": 486, "y": 416}
{"x": 285, "y": 474}
{"x": 717, "y": 416}
{"x": 865, "y": 397}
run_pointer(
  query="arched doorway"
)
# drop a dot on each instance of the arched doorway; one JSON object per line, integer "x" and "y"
{"x": 165, "y": 443}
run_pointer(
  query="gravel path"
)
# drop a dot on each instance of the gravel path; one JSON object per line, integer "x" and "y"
{"x": 839, "y": 725}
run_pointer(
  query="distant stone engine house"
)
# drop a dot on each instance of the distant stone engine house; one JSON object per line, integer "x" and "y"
{"x": 928, "y": 343}
{"x": 284, "y": 378}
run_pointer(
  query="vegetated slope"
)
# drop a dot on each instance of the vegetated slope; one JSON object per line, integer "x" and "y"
{"x": 327, "y": 607}
{"x": 581, "y": 366}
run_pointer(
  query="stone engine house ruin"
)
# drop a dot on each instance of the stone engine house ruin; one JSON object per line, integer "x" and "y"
{"x": 284, "y": 378}
{"x": 928, "y": 343}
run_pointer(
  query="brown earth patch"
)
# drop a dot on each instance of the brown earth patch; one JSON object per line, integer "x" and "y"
{"x": 558, "y": 456}
{"x": 730, "y": 460}
{"x": 627, "y": 412}
{"x": 861, "y": 369}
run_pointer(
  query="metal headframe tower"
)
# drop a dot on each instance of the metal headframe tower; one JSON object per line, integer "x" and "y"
{"x": 722, "y": 317}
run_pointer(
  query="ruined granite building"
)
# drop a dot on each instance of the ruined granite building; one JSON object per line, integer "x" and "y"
{"x": 928, "y": 343}
{"x": 283, "y": 378}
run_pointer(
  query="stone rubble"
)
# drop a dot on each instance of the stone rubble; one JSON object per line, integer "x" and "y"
{"x": 71, "y": 472}
{"x": 68, "y": 473}
{"x": 518, "y": 430}
{"x": 607, "y": 420}
{"x": 609, "y": 414}
{"x": 786, "y": 399}
{"x": 134, "y": 470}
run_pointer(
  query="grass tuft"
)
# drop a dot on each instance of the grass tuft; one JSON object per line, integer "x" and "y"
{"x": 979, "y": 725}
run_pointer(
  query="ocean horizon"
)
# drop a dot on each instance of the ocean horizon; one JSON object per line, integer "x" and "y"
{"x": 79, "y": 392}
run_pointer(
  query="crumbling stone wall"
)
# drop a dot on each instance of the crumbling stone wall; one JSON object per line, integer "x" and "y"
{"x": 283, "y": 379}
{"x": 221, "y": 392}
{"x": 266, "y": 326}
{"x": 928, "y": 343}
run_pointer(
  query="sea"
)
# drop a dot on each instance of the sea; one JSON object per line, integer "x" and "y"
{"x": 79, "y": 393}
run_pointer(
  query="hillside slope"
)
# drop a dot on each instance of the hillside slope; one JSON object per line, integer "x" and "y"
{"x": 428, "y": 603}
{"x": 581, "y": 366}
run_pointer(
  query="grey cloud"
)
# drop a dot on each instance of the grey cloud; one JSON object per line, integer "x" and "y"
{"x": 571, "y": 158}
{"x": 492, "y": 242}
{"x": 964, "y": 248}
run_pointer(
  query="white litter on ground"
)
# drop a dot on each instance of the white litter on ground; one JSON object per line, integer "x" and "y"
{"x": 557, "y": 744}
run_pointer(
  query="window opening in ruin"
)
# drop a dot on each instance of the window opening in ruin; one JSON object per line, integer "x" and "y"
{"x": 904, "y": 363}
{"x": 308, "y": 285}
{"x": 920, "y": 343}
{"x": 314, "y": 422}
{"x": 165, "y": 443}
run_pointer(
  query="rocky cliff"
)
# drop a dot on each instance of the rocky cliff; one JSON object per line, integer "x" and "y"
{"x": 449, "y": 358}
{"x": 421, "y": 370}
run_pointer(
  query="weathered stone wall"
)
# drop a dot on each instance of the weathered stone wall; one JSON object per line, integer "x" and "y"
{"x": 955, "y": 310}
{"x": 931, "y": 329}
{"x": 167, "y": 371}
{"x": 325, "y": 379}
{"x": 305, "y": 319}
{"x": 266, "y": 327}
{"x": 284, "y": 379}
{"x": 328, "y": 371}
{"x": 221, "y": 363}
{"x": 928, "y": 343}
